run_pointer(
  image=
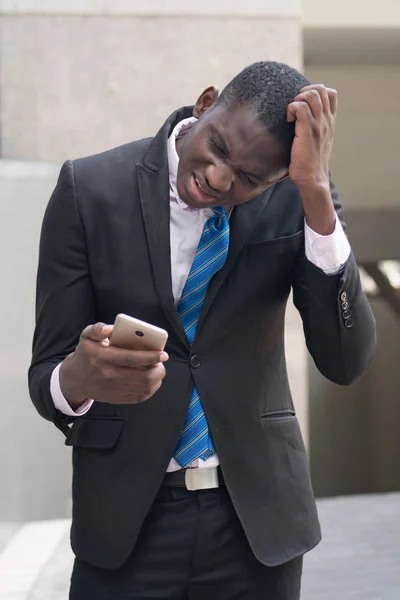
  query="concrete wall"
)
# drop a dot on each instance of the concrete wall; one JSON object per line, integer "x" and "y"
{"x": 80, "y": 77}
{"x": 157, "y": 8}
{"x": 34, "y": 465}
{"x": 351, "y": 13}
{"x": 77, "y": 78}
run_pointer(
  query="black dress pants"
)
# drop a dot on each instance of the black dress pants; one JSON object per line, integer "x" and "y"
{"x": 191, "y": 547}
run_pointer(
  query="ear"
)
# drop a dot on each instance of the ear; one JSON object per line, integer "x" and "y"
{"x": 205, "y": 101}
{"x": 280, "y": 176}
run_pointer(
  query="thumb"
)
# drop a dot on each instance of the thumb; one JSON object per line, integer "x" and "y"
{"x": 97, "y": 332}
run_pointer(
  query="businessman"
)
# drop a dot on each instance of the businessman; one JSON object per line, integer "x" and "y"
{"x": 190, "y": 478}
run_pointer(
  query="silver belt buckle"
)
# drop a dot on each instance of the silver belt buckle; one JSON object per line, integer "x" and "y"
{"x": 201, "y": 479}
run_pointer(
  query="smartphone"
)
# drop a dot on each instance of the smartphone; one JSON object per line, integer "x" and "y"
{"x": 133, "y": 334}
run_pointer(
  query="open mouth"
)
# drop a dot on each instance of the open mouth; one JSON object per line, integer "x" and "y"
{"x": 199, "y": 192}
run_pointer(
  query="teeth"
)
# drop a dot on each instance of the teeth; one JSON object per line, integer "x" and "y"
{"x": 198, "y": 183}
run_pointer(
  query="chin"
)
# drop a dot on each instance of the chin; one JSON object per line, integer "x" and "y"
{"x": 182, "y": 188}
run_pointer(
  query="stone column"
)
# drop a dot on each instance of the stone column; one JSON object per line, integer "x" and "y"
{"x": 78, "y": 77}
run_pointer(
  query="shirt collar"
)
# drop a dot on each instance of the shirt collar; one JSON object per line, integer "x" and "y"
{"x": 173, "y": 158}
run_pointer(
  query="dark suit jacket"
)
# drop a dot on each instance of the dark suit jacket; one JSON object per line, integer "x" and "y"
{"x": 104, "y": 249}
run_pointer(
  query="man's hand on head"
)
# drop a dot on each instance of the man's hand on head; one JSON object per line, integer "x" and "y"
{"x": 108, "y": 374}
{"x": 314, "y": 112}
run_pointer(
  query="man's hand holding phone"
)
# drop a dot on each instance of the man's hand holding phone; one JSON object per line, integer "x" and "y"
{"x": 107, "y": 373}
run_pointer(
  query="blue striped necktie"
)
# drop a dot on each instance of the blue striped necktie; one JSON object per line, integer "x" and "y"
{"x": 195, "y": 440}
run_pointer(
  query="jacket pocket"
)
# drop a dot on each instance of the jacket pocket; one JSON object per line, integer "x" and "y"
{"x": 284, "y": 241}
{"x": 273, "y": 256}
{"x": 96, "y": 433}
{"x": 278, "y": 415}
{"x": 287, "y": 245}
{"x": 282, "y": 430}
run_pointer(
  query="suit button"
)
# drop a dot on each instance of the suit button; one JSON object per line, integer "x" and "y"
{"x": 194, "y": 361}
{"x": 349, "y": 323}
{"x": 344, "y": 296}
{"x": 345, "y": 305}
{"x": 347, "y": 314}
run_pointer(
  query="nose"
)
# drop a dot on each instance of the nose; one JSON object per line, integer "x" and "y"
{"x": 220, "y": 177}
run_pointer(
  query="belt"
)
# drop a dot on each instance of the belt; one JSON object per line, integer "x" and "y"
{"x": 195, "y": 479}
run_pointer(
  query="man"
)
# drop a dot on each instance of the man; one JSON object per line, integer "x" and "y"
{"x": 190, "y": 474}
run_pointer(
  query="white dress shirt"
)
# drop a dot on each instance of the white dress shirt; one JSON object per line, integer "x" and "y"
{"x": 328, "y": 253}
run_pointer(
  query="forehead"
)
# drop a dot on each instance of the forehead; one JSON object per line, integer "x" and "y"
{"x": 247, "y": 139}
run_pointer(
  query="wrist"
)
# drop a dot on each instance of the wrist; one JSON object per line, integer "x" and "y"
{"x": 318, "y": 207}
{"x": 70, "y": 384}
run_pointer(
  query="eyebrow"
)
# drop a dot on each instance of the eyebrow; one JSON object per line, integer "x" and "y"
{"x": 224, "y": 147}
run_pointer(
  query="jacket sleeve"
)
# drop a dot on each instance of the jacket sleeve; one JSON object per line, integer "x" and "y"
{"x": 64, "y": 298}
{"x": 338, "y": 323}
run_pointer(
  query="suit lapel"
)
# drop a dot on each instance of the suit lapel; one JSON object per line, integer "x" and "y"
{"x": 242, "y": 222}
{"x": 154, "y": 199}
{"x": 153, "y": 182}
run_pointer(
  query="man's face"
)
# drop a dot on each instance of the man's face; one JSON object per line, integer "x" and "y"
{"x": 227, "y": 158}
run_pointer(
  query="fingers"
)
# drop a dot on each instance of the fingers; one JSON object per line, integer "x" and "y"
{"x": 115, "y": 375}
{"x": 314, "y": 100}
{"x": 135, "y": 359}
{"x": 333, "y": 100}
{"x": 118, "y": 357}
{"x": 143, "y": 381}
{"x": 152, "y": 378}
{"x": 138, "y": 398}
{"x": 298, "y": 110}
{"x": 319, "y": 99}
{"x": 138, "y": 387}
{"x": 97, "y": 332}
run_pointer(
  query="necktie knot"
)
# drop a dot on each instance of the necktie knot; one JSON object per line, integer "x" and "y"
{"x": 219, "y": 214}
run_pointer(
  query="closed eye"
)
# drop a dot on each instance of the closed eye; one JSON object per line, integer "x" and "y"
{"x": 247, "y": 178}
{"x": 216, "y": 147}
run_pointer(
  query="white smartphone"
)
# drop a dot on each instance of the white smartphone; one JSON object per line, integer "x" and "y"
{"x": 133, "y": 334}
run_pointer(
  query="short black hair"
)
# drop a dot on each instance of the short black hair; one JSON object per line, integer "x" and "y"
{"x": 268, "y": 87}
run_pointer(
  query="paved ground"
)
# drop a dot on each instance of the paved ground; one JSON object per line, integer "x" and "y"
{"x": 359, "y": 558}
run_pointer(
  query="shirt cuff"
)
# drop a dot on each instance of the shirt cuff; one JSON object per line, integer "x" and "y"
{"x": 59, "y": 400}
{"x": 327, "y": 252}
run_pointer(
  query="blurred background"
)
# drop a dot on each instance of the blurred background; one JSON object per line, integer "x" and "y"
{"x": 82, "y": 76}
